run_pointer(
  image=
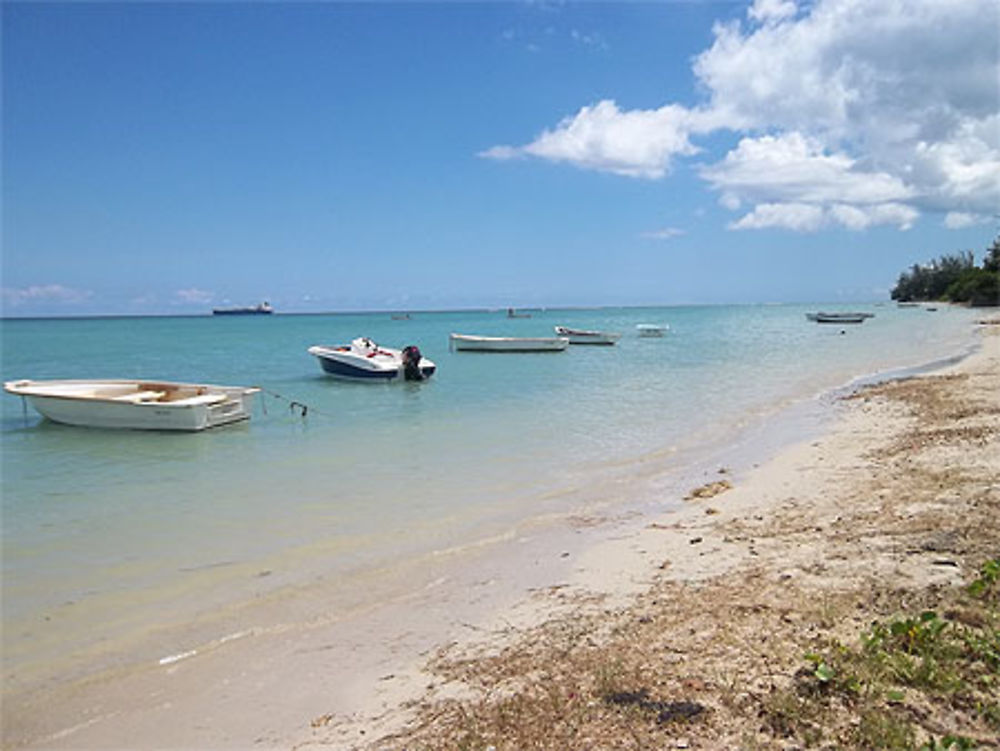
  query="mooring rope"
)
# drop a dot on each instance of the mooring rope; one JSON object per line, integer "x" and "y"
{"x": 293, "y": 405}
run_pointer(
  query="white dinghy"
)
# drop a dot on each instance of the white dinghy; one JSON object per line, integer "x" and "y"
{"x": 585, "y": 336}
{"x": 652, "y": 329}
{"x": 138, "y": 405}
{"x": 472, "y": 343}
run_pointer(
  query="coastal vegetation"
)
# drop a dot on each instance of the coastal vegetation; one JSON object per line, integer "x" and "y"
{"x": 924, "y": 678}
{"x": 953, "y": 278}
{"x": 899, "y": 669}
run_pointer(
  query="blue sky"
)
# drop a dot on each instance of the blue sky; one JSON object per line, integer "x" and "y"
{"x": 165, "y": 158}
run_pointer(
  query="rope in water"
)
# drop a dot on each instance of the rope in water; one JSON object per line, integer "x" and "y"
{"x": 294, "y": 406}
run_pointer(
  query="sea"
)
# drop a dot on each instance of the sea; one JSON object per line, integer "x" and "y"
{"x": 129, "y": 548}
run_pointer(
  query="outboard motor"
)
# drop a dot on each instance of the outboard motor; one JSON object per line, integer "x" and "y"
{"x": 411, "y": 363}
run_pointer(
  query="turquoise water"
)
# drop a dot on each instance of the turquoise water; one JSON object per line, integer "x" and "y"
{"x": 122, "y": 547}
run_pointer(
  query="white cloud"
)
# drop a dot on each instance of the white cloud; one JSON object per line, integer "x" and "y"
{"x": 801, "y": 217}
{"x": 961, "y": 219}
{"x": 810, "y": 217}
{"x": 663, "y": 234}
{"x": 769, "y": 11}
{"x": 588, "y": 39}
{"x": 47, "y": 293}
{"x": 792, "y": 167}
{"x": 851, "y": 112}
{"x": 639, "y": 143}
{"x": 193, "y": 296}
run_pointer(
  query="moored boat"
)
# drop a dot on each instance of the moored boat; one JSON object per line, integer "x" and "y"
{"x": 364, "y": 360}
{"x": 472, "y": 343}
{"x": 586, "y": 336}
{"x": 652, "y": 329}
{"x": 822, "y": 317}
{"x": 136, "y": 404}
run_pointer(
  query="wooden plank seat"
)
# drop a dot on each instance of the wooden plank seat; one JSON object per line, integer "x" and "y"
{"x": 140, "y": 396}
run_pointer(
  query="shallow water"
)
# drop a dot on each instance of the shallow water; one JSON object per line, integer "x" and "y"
{"x": 122, "y": 546}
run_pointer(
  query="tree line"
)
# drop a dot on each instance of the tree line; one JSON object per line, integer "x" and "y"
{"x": 953, "y": 278}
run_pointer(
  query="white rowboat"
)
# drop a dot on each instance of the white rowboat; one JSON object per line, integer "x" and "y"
{"x": 822, "y": 317}
{"x": 139, "y": 405}
{"x": 583, "y": 336}
{"x": 470, "y": 343}
{"x": 651, "y": 329}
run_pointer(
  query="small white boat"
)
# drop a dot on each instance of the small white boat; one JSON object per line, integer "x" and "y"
{"x": 470, "y": 343}
{"x": 652, "y": 329}
{"x": 364, "y": 360}
{"x": 585, "y": 336}
{"x": 139, "y": 405}
{"x": 822, "y": 317}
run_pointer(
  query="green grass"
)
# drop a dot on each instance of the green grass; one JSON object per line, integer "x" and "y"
{"x": 907, "y": 679}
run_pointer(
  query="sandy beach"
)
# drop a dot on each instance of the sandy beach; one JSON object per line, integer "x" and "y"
{"x": 697, "y": 626}
{"x": 678, "y": 630}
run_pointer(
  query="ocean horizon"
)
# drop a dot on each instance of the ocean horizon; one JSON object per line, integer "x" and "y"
{"x": 839, "y": 304}
{"x": 122, "y": 549}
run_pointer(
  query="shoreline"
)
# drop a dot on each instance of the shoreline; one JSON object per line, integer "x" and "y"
{"x": 893, "y": 508}
{"x": 290, "y": 688}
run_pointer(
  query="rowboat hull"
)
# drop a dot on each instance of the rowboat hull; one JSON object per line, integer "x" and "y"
{"x": 581, "y": 336}
{"x": 136, "y": 405}
{"x": 469, "y": 343}
{"x": 651, "y": 329}
{"x": 838, "y": 317}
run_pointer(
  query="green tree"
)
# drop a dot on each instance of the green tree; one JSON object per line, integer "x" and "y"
{"x": 953, "y": 277}
{"x": 992, "y": 260}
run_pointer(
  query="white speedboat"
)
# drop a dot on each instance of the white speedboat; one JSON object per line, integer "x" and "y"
{"x": 584, "y": 336}
{"x": 471, "y": 343}
{"x": 364, "y": 360}
{"x": 652, "y": 329}
{"x": 140, "y": 405}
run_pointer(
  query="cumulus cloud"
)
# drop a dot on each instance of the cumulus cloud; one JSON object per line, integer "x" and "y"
{"x": 639, "y": 143}
{"x": 788, "y": 176}
{"x": 769, "y": 11}
{"x": 810, "y": 217}
{"x": 851, "y": 113}
{"x": 46, "y": 293}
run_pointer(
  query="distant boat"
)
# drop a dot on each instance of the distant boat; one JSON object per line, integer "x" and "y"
{"x": 584, "y": 336}
{"x": 652, "y": 329}
{"x": 470, "y": 343}
{"x": 839, "y": 317}
{"x": 264, "y": 309}
{"x": 364, "y": 360}
{"x": 511, "y": 313}
{"x": 139, "y": 405}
